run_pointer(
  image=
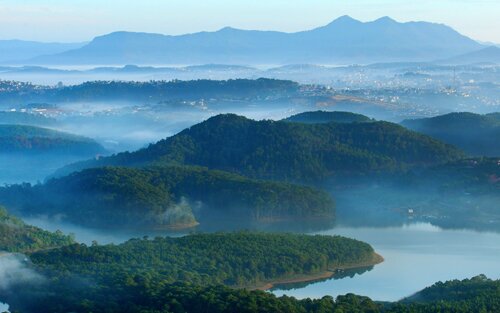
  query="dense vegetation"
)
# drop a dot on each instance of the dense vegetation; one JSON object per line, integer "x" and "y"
{"x": 474, "y": 133}
{"x": 165, "y": 196}
{"x": 152, "y": 91}
{"x": 31, "y": 139}
{"x": 328, "y": 117}
{"x": 233, "y": 259}
{"x": 188, "y": 274}
{"x": 290, "y": 151}
{"x": 16, "y": 236}
{"x": 185, "y": 274}
{"x": 478, "y": 294}
{"x": 141, "y": 294}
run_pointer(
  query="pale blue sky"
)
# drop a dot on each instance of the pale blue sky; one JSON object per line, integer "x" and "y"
{"x": 81, "y": 20}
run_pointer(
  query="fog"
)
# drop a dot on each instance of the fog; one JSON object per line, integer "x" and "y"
{"x": 402, "y": 74}
{"x": 88, "y": 235}
{"x": 379, "y": 204}
{"x": 121, "y": 126}
{"x": 19, "y": 168}
{"x": 15, "y": 272}
{"x": 14, "y": 269}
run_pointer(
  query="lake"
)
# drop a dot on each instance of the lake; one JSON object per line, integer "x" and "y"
{"x": 416, "y": 256}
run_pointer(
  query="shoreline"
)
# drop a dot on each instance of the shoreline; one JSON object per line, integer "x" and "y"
{"x": 376, "y": 259}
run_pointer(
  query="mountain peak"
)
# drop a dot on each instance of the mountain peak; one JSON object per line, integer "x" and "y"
{"x": 228, "y": 29}
{"x": 385, "y": 20}
{"x": 344, "y": 20}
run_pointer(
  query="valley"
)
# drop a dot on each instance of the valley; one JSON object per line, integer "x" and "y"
{"x": 237, "y": 157}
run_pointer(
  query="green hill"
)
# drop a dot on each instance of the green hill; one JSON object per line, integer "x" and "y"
{"x": 16, "y": 236}
{"x": 31, "y": 139}
{"x": 478, "y": 294}
{"x": 328, "y": 117}
{"x": 474, "y": 133}
{"x": 289, "y": 151}
{"x": 166, "y": 197}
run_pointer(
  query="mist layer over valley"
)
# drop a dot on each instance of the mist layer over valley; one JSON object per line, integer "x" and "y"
{"x": 413, "y": 172}
{"x": 354, "y": 167}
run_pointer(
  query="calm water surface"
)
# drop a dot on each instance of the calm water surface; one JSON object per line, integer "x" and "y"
{"x": 416, "y": 256}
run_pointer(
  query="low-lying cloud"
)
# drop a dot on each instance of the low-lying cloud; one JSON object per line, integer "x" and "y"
{"x": 15, "y": 270}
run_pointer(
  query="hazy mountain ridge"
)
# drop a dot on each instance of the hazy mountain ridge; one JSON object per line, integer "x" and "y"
{"x": 474, "y": 133}
{"x": 18, "y": 50}
{"x": 33, "y": 139}
{"x": 344, "y": 40}
{"x": 487, "y": 55}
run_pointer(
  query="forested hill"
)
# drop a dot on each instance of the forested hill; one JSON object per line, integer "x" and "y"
{"x": 476, "y": 134}
{"x": 478, "y": 294}
{"x": 328, "y": 117}
{"x": 153, "y": 91}
{"x": 31, "y": 139}
{"x": 16, "y": 236}
{"x": 171, "y": 196}
{"x": 289, "y": 151}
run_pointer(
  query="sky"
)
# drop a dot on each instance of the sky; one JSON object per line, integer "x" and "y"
{"x": 82, "y": 20}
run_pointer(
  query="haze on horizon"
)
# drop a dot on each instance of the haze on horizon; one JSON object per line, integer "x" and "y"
{"x": 79, "y": 20}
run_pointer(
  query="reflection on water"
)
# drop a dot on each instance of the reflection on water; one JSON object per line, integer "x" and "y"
{"x": 416, "y": 256}
{"x": 349, "y": 273}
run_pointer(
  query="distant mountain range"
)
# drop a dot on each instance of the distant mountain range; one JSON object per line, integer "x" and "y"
{"x": 14, "y": 51}
{"x": 343, "y": 41}
{"x": 487, "y": 55}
